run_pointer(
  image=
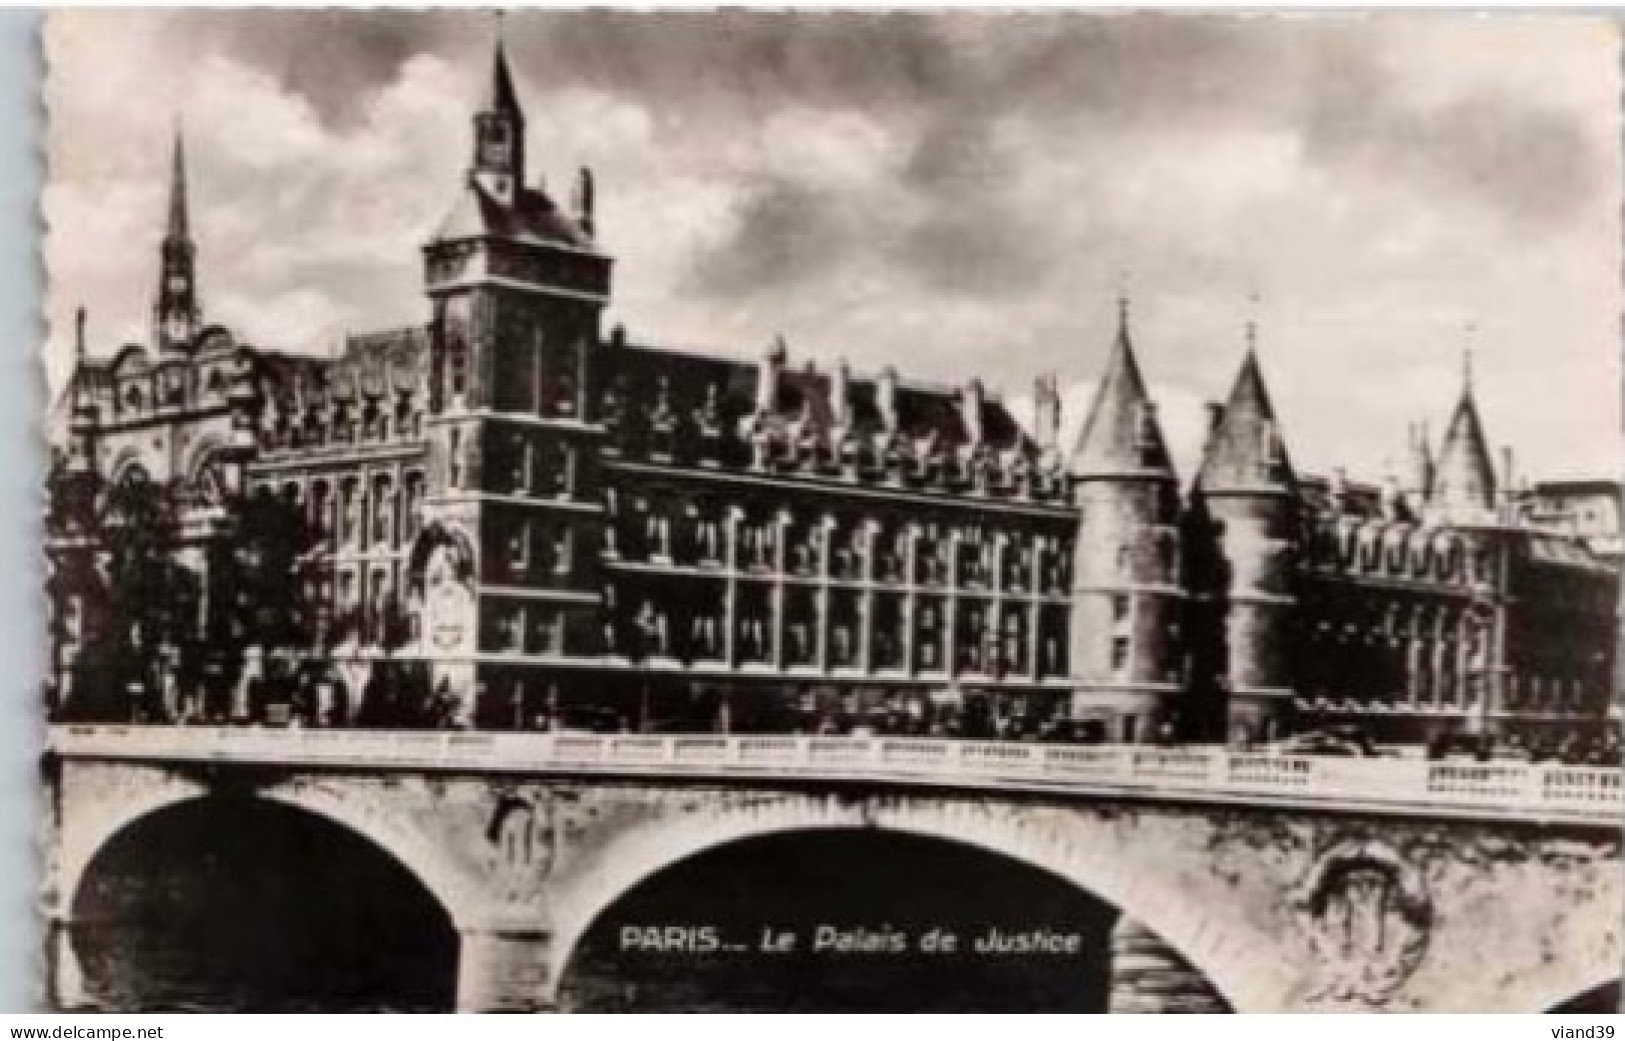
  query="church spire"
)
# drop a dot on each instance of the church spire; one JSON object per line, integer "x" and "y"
{"x": 179, "y": 228}
{"x": 500, "y": 95}
{"x": 1245, "y": 451}
{"x": 1121, "y": 436}
{"x": 176, "y": 315}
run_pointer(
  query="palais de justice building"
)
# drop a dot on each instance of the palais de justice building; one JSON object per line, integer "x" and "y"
{"x": 576, "y": 526}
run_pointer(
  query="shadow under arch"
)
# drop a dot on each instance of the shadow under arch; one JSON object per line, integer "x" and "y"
{"x": 606, "y": 905}
{"x": 230, "y": 902}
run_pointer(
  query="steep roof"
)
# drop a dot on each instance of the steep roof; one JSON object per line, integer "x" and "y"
{"x": 500, "y": 95}
{"x": 1121, "y": 434}
{"x": 1466, "y": 474}
{"x": 1245, "y": 452}
{"x": 533, "y": 217}
{"x": 803, "y": 396}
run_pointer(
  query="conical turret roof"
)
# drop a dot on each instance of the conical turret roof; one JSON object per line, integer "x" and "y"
{"x": 1121, "y": 436}
{"x": 1465, "y": 475}
{"x": 1245, "y": 451}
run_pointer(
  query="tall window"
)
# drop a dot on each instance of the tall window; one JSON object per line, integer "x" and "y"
{"x": 519, "y": 549}
{"x": 350, "y": 507}
{"x": 1119, "y": 656}
{"x": 383, "y": 511}
{"x": 523, "y": 463}
{"x": 563, "y": 547}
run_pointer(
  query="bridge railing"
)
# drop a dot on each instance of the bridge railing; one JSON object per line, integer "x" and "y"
{"x": 1195, "y": 772}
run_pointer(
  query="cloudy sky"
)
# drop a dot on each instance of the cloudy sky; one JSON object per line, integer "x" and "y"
{"x": 956, "y": 194}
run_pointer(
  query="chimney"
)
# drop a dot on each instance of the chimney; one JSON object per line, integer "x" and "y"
{"x": 1393, "y": 497}
{"x": 1047, "y": 412}
{"x": 886, "y": 398}
{"x": 839, "y": 393}
{"x": 767, "y": 378}
{"x": 584, "y": 202}
{"x": 971, "y": 410}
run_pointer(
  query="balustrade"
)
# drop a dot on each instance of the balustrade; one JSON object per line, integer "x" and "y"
{"x": 1197, "y": 773}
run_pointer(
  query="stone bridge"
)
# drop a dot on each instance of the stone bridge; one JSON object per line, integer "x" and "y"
{"x": 1252, "y": 883}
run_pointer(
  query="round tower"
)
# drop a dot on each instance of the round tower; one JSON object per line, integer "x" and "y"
{"x": 1247, "y": 492}
{"x": 1128, "y": 599}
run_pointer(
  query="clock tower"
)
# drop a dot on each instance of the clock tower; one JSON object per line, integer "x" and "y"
{"x": 176, "y": 315}
{"x": 499, "y": 135}
{"x": 517, "y": 287}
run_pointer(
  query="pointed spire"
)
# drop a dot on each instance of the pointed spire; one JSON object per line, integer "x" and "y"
{"x": 1121, "y": 436}
{"x": 1245, "y": 451}
{"x": 1464, "y": 478}
{"x": 176, "y": 314}
{"x": 500, "y": 97}
{"x": 179, "y": 228}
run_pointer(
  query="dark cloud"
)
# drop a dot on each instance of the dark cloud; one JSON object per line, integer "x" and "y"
{"x": 788, "y": 232}
{"x": 336, "y": 60}
{"x": 945, "y": 76}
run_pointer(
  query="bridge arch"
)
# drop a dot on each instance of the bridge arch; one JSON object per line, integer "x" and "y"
{"x": 1211, "y": 936}
{"x": 94, "y": 831}
{"x": 251, "y": 904}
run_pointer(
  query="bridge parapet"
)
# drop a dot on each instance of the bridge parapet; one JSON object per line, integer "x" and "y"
{"x": 1511, "y": 790}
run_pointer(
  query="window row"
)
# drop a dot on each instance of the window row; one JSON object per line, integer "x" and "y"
{"x": 845, "y": 631}
{"x": 362, "y": 513}
{"x": 930, "y": 554}
{"x": 373, "y": 420}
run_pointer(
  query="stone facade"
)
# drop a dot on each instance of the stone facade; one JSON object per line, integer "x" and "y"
{"x": 543, "y": 524}
{"x": 1253, "y": 910}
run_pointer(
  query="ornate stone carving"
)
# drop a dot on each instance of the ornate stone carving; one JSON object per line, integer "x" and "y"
{"x": 1367, "y": 916}
{"x": 524, "y": 843}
